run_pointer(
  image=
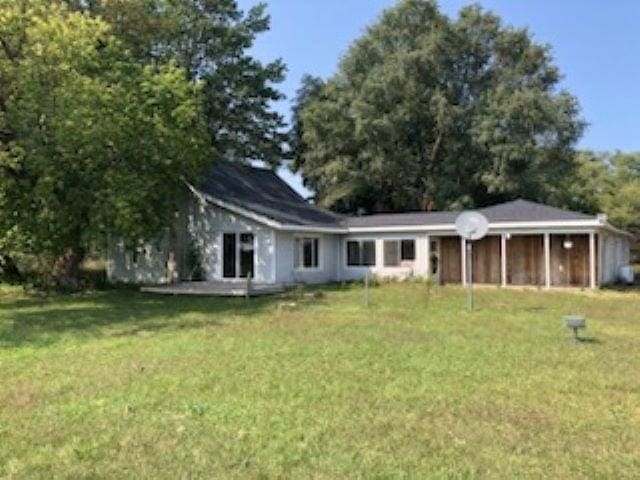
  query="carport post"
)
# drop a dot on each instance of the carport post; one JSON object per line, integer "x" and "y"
{"x": 463, "y": 257}
{"x": 592, "y": 260}
{"x": 547, "y": 261}
{"x": 503, "y": 259}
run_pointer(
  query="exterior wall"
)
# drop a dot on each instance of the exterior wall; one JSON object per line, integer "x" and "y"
{"x": 616, "y": 252}
{"x": 329, "y": 249}
{"x": 419, "y": 267}
{"x": 204, "y": 224}
{"x": 450, "y": 260}
{"x": 525, "y": 260}
{"x": 570, "y": 267}
{"x": 148, "y": 266}
{"x": 486, "y": 260}
{"x": 207, "y": 223}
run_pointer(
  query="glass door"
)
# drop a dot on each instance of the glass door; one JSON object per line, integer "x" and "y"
{"x": 229, "y": 247}
{"x": 246, "y": 255}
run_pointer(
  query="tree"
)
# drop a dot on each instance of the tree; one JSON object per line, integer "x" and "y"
{"x": 610, "y": 183}
{"x": 92, "y": 142}
{"x": 210, "y": 40}
{"x": 309, "y": 89}
{"x": 426, "y": 112}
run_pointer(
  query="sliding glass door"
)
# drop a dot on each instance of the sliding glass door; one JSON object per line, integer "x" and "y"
{"x": 246, "y": 255}
{"x": 230, "y": 248}
{"x": 238, "y": 255}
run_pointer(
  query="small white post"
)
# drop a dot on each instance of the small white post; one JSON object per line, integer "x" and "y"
{"x": 547, "y": 261}
{"x": 600, "y": 262}
{"x": 463, "y": 256}
{"x": 503, "y": 259}
{"x": 592, "y": 260}
{"x": 366, "y": 289}
{"x": 428, "y": 257}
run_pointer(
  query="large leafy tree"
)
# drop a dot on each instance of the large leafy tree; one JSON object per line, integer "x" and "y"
{"x": 91, "y": 141}
{"x": 210, "y": 40}
{"x": 108, "y": 106}
{"x": 427, "y": 112}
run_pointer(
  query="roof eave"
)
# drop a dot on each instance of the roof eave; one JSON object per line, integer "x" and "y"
{"x": 595, "y": 223}
{"x": 263, "y": 219}
{"x": 450, "y": 227}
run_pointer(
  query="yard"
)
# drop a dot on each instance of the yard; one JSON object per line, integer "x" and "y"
{"x": 120, "y": 385}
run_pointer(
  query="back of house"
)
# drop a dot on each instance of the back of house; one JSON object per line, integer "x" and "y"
{"x": 246, "y": 221}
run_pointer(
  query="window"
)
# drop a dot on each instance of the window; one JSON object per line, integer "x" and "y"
{"x": 397, "y": 251}
{"x": 369, "y": 253}
{"x": 391, "y": 253}
{"x": 306, "y": 252}
{"x": 361, "y": 253}
{"x": 408, "y": 250}
{"x": 238, "y": 255}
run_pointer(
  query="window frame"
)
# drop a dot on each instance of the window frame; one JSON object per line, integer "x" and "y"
{"x": 401, "y": 262}
{"x": 238, "y": 253}
{"x": 387, "y": 243}
{"x": 316, "y": 253}
{"x": 360, "y": 242}
{"x": 413, "y": 250}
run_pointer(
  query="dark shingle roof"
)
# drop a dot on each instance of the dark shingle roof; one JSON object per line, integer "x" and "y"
{"x": 401, "y": 219}
{"x": 263, "y": 192}
{"x": 515, "y": 211}
{"x": 526, "y": 211}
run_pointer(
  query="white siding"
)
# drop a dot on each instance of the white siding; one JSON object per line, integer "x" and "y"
{"x": 206, "y": 224}
{"x": 150, "y": 265}
{"x": 419, "y": 268}
{"x": 327, "y": 259}
{"x": 615, "y": 254}
{"x": 274, "y": 252}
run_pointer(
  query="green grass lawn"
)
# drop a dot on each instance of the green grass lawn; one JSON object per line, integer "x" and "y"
{"x": 123, "y": 385}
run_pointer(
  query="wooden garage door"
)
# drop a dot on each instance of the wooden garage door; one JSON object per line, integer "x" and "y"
{"x": 486, "y": 260}
{"x": 570, "y": 266}
{"x": 525, "y": 260}
{"x": 450, "y": 258}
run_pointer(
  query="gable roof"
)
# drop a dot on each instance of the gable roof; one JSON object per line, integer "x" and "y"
{"x": 264, "y": 193}
{"x": 261, "y": 194}
{"x": 527, "y": 211}
{"x": 515, "y": 211}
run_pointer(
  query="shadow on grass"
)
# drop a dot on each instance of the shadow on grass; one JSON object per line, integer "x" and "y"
{"x": 587, "y": 341}
{"x": 39, "y": 322}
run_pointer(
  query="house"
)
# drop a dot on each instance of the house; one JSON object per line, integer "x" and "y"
{"x": 247, "y": 221}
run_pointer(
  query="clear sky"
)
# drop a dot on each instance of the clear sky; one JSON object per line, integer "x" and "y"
{"x": 595, "y": 43}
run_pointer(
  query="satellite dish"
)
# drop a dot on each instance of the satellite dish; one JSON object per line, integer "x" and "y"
{"x": 472, "y": 225}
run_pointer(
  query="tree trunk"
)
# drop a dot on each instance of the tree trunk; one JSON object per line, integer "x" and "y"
{"x": 9, "y": 271}
{"x": 67, "y": 268}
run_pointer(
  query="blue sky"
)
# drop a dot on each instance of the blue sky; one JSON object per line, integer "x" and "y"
{"x": 596, "y": 45}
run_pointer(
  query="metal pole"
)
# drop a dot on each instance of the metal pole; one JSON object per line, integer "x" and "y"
{"x": 366, "y": 289}
{"x": 469, "y": 275}
{"x": 248, "y": 292}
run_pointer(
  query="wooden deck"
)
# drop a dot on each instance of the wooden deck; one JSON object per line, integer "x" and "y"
{"x": 221, "y": 289}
